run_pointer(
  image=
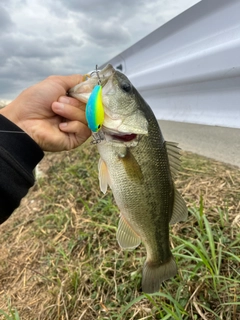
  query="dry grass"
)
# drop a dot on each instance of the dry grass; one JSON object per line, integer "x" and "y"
{"x": 218, "y": 183}
{"x": 60, "y": 259}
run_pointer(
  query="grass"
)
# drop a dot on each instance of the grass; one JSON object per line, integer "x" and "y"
{"x": 60, "y": 258}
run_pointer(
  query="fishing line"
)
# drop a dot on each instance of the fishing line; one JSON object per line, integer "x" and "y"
{"x": 6, "y": 131}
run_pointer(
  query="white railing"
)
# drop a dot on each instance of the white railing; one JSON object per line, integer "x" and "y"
{"x": 188, "y": 70}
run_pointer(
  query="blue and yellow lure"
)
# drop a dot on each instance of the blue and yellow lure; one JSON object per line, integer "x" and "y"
{"x": 94, "y": 109}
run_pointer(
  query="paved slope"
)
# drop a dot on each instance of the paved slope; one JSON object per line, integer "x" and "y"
{"x": 219, "y": 143}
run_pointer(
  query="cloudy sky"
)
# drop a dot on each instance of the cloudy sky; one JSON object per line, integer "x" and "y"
{"x": 43, "y": 37}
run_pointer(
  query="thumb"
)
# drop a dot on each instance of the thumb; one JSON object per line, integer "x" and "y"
{"x": 69, "y": 81}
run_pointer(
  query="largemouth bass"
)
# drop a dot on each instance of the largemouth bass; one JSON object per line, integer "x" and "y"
{"x": 138, "y": 165}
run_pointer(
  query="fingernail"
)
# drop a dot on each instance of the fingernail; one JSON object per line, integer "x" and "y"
{"x": 63, "y": 124}
{"x": 59, "y": 105}
{"x": 64, "y": 99}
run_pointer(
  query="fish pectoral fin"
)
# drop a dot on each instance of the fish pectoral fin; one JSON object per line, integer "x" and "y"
{"x": 132, "y": 168}
{"x": 127, "y": 238}
{"x": 103, "y": 175}
{"x": 180, "y": 211}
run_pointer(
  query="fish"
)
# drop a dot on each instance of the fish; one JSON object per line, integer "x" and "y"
{"x": 139, "y": 166}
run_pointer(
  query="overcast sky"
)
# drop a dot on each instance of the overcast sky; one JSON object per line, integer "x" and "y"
{"x": 44, "y": 37}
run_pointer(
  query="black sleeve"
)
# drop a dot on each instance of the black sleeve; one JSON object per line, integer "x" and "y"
{"x": 19, "y": 154}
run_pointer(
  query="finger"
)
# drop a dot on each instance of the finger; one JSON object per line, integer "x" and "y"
{"x": 72, "y": 101}
{"x": 76, "y": 127}
{"x": 72, "y": 80}
{"x": 69, "y": 112}
{"x": 68, "y": 81}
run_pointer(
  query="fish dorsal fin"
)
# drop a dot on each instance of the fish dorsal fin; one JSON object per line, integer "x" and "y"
{"x": 180, "y": 211}
{"x": 127, "y": 238}
{"x": 173, "y": 156}
{"x": 103, "y": 175}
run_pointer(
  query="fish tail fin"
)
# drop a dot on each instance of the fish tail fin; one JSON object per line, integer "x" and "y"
{"x": 154, "y": 275}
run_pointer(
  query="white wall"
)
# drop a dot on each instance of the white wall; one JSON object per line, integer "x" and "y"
{"x": 188, "y": 70}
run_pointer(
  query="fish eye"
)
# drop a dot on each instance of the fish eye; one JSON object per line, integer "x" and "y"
{"x": 99, "y": 126}
{"x": 126, "y": 86}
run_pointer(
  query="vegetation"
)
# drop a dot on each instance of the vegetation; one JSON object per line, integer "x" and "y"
{"x": 60, "y": 259}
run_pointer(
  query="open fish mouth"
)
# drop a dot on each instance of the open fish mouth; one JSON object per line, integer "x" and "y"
{"x": 119, "y": 136}
{"x": 125, "y": 137}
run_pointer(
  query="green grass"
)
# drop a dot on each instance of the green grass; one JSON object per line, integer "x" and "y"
{"x": 11, "y": 314}
{"x": 60, "y": 258}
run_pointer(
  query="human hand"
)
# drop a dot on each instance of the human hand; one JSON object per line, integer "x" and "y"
{"x": 53, "y": 120}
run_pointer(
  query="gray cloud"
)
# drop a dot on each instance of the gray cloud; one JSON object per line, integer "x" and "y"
{"x": 40, "y": 38}
{"x": 6, "y": 23}
{"x": 103, "y": 10}
{"x": 107, "y": 33}
{"x": 37, "y": 47}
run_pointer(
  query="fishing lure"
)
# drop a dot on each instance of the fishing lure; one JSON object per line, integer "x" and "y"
{"x": 94, "y": 109}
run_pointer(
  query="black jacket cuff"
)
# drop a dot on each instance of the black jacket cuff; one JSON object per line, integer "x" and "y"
{"x": 19, "y": 144}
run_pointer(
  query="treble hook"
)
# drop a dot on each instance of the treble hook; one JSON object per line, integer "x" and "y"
{"x": 96, "y": 71}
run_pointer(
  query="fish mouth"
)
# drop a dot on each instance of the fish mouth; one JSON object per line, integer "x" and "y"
{"x": 116, "y": 136}
{"x": 125, "y": 137}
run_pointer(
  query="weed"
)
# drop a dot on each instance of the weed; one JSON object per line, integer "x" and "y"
{"x": 60, "y": 258}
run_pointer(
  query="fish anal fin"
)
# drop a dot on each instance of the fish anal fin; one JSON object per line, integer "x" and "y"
{"x": 127, "y": 238}
{"x": 154, "y": 275}
{"x": 104, "y": 178}
{"x": 180, "y": 211}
